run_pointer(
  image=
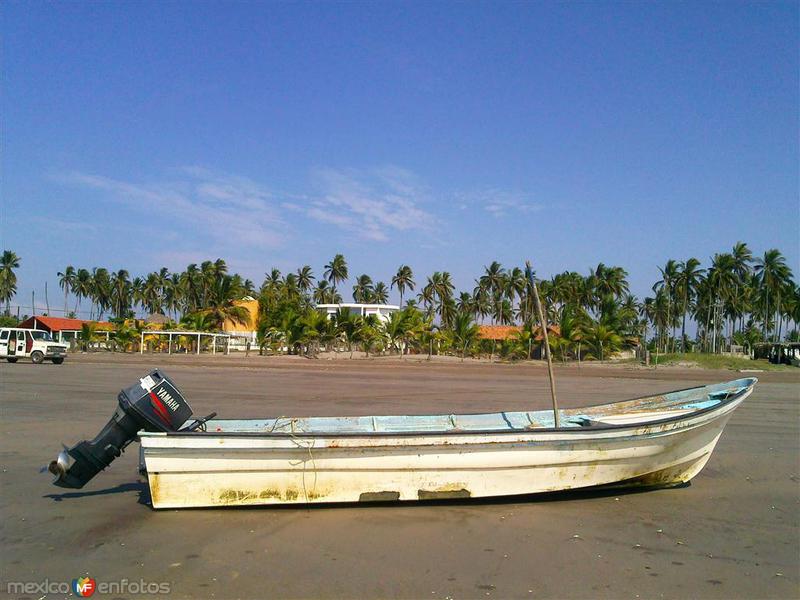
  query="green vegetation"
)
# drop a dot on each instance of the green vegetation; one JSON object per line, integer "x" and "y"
{"x": 719, "y": 361}
{"x": 738, "y": 299}
{"x": 8, "y": 278}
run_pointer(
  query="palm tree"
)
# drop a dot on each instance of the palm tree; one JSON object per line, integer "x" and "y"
{"x": 396, "y": 328}
{"x": 494, "y": 282}
{"x": 8, "y": 278}
{"x": 336, "y": 270}
{"x": 516, "y": 284}
{"x": 687, "y": 281}
{"x": 523, "y": 340}
{"x": 493, "y": 278}
{"x": 403, "y": 279}
{"x": 190, "y": 288}
{"x": 721, "y": 281}
{"x": 602, "y": 340}
{"x": 325, "y": 294}
{"x": 526, "y": 302}
{"x": 464, "y": 332}
{"x": 427, "y": 334}
{"x": 124, "y": 337}
{"x": 347, "y": 326}
{"x": 136, "y": 295}
{"x": 363, "y": 288}
{"x": 380, "y": 295}
{"x": 481, "y": 302}
{"x": 657, "y": 311}
{"x": 121, "y": 289}
{"x": 87, "y": 334}
{"x": 427, "y": 297}
{"x": 318, "y": 329}
{"x": 305, "y": 279}
{"x": 172, "y": 294}
{"x": 444, "y": 288}
{"x": 503, "y": 314}
{"x": 465, "y": 303}
{"x": 100, "y": 290}
{"x": 273, "y": 280}
{"x": 197, "y": 322}
{"x": 572, "y": 323}
{"x": 66, "y": 280}
{"x": 221, "y": 305}
{"x": 742, "y": 257}
{"x": 290, "y": 287}
{"x": 369, "y": 332}
{"x": 669, "y": 277}
{"x": 151, "y": 293}
{"x": 609, "y": 280}
{"x": 773, "y": 274}
{"x": 82, "y": 287}
{"x": 447, "y": 311}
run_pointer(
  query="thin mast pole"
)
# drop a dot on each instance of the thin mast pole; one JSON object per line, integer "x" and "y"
{"x": 543, "y": 325}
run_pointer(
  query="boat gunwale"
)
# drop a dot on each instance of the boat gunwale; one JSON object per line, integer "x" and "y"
{"x": 595, "y": 427}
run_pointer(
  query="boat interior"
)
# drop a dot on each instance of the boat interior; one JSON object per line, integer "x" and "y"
{"x": 628, "y": 412}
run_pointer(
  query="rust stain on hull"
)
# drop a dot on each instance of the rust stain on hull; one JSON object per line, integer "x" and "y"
{"x": 443, "y": 494}
{"x": 379, "y": 497}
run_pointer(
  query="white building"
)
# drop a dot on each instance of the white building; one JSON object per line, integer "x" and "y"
{"x": 382, "y": 311}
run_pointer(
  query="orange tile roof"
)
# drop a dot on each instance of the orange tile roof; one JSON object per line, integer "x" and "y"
{"x": 61, "y": 324}
{"x": 506, "y": 332}
{"x": 497, "y": 332}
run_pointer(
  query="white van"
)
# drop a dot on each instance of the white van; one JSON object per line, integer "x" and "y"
{"x": 35, "y": 344}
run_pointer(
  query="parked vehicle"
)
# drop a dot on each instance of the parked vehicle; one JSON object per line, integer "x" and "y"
{"x": 16, "y": 343}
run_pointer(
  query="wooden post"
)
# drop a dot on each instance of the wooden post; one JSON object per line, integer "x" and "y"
{"x": 543, "y": 324}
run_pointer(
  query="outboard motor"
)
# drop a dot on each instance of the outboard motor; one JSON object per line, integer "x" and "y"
{"x": 153, "y": 404}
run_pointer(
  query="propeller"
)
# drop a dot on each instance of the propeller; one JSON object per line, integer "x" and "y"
{"x": 59, "y": 466}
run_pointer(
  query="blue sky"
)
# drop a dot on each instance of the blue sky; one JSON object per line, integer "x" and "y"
{"x": 439, "y": 135}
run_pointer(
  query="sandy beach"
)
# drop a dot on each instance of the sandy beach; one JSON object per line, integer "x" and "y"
{"x": 733, "y": 533}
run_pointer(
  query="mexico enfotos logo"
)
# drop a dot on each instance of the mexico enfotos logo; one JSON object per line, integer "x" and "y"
{"x": 85, "y": 587}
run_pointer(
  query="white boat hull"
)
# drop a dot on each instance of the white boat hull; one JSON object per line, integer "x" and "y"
{"x": 228, "y": 470}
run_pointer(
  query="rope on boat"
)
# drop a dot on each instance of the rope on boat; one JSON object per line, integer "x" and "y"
{"x": 300, "y": 444}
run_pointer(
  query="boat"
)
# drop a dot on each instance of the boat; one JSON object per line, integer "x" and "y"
{"x": 659, "y": 440}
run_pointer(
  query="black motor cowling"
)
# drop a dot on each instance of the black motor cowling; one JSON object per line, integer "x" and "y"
{"x": 153, "y": 404}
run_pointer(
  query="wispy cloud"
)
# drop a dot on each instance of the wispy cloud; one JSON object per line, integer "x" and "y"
{"x": 373, "y": 204}
{"x": 222, "y": 209}
{"x": 499, "y": 203}
{"x": 230, "y": 209}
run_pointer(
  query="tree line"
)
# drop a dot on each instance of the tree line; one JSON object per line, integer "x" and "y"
{"x": 737, "y": 299}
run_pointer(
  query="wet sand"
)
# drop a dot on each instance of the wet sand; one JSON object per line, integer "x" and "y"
{"x": 733, "y": 533}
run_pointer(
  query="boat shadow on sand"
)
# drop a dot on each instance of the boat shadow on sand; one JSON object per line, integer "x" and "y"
{"x": 140, "y": 486}
{"x": 544, "y": 497}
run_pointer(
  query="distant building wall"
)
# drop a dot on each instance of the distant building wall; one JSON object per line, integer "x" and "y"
{"x": 382, "y": 311}
{"x": 246, "y": 331}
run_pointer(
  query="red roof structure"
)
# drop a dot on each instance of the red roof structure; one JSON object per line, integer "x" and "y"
{"x": 53, "y": 324}
{"x": 497, "y": 332}
{"x": 506, "y": 332}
